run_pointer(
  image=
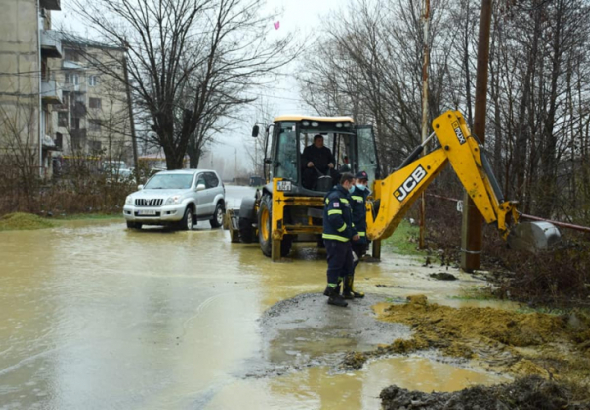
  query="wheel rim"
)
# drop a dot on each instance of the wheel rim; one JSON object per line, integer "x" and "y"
{"x": 189, "y": 220}
{"x": 265, "y": 224}
{"x": 219, "y": 215}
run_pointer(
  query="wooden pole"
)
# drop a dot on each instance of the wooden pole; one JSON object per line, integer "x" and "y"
{"x": 426, "y": 18}
{"x": 472, "y": 220}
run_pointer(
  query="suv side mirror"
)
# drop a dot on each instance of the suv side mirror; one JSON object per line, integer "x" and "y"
{"x": 255, "y": 131}
{"x": 200, "y": 187}
{"x": 140, "y": 187}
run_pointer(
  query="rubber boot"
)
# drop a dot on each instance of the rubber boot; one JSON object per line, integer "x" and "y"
{"x": 328, "y": 290}
{"x": 356, "y": 294}
{"x": 347, "y": 290}
{"x": 335, "y": 298}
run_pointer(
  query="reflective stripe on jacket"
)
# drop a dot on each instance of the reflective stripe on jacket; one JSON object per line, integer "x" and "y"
{"x": 337, "y": 223}
{"x": 359, "y": 213}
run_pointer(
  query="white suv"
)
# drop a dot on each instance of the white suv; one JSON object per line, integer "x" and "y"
{"x": 180, "y": 198}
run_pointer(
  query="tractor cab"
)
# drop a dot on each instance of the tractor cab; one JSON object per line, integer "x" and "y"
{"x": 352, "y": 148}
{"x": 289, "y": 207}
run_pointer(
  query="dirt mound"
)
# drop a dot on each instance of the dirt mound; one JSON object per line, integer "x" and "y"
{"x": 23, "y": 221}
{"x": 521, "y": 344}
{"x": 442, "y": 324}
{"x": 529, "y": 393}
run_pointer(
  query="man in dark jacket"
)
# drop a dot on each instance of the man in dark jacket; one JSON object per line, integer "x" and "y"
{"x": 338, "y": 234}
{"x": 358, "y": 203}
{"x": 316, "y": 158}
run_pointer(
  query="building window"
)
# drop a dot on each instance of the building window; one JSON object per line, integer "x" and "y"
{"x": 94, "y": 146}
{"x": 72, "y": 54}
{"x": 95, "y": 125}
{"x": 75, "y": 125}
{"x": 62, "y": 119}
{"x": 72, "y": 79}
{"x": 59, "y": 140}
{"x": 93, "y": 80}
{"x": 95, "y": 103}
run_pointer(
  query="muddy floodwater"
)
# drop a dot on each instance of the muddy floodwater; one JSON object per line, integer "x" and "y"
{"x": 95, "y": 316}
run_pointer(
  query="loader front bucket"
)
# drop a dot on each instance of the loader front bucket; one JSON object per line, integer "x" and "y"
{"x": 534, "y": 236}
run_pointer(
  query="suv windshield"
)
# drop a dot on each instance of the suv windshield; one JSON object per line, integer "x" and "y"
{"x": 170, "y": 181}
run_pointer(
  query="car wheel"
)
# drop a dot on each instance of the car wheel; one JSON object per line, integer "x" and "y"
{"x": 133, "y": 225}
{"x": 186, "y": 223}
{"x": 217, "y": 220}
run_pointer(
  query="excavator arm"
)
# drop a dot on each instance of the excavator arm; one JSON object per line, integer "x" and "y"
{"x": 460, "y": 149}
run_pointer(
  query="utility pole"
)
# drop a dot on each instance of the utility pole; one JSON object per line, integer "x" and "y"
{"x": 426, "y": 18}
{"x": 131, "y": 120}
{"x": 472, "y": 220}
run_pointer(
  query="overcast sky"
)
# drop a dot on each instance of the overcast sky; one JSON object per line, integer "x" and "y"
{"x": 298, "y": 17}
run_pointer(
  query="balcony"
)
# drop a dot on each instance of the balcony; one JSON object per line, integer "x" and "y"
{"x": 50, "y": 4}
{"x": 72, "y": 65}
{"x": 71, "y": 87}
{"x": 51, "y": 92}
{"x": 51, "y": 44}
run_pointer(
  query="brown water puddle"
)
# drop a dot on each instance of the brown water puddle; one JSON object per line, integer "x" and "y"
{"x": 317, "y": 387}
{"x": 95, "y": 316}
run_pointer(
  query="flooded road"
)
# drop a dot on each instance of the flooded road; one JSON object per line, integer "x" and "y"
{"x": 95, "y": 316}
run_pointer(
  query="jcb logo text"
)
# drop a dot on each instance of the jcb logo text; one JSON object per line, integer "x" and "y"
{"x": 459, "y": 133}
{"x": 410, "y": 183}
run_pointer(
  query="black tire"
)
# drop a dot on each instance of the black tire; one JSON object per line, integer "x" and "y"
{"x": 187, "y": 221}
{"x": 246, "y": 230}
{"x": 217, "y": 219}
{"x": 265, "y": 229}
{"x": 134, "y": 225}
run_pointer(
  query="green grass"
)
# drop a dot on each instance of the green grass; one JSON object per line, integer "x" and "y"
{"x": 405, "y": 239}
{"x": 20, "y": 221}
{"x": 88, "y": 216}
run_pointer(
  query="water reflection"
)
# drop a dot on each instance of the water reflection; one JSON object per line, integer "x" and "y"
{"x": 94, "y": 316}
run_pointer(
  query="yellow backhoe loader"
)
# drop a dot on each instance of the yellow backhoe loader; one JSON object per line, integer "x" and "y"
{"x": 284, "y": 211}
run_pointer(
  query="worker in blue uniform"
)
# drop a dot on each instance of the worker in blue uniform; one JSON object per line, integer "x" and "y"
{"x": 338, "y": 234}
{"x": 358, "y": 203}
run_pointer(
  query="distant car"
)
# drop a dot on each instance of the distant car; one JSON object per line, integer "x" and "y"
{"x": 121, "y": 175}
{"x": 179, "y": 198}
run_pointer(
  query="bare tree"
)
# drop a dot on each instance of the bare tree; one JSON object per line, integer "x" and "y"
{"x": 190, "y": 62}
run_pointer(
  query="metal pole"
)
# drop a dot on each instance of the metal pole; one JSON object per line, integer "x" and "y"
{"x": 41, "y": 132}
{"x": 426, "y": 18}
{"x": 472, "y": 220}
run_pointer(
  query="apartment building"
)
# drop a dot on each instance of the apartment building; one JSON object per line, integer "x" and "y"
{"x": 93, "y": 120}
{"x": 28, "y": 89}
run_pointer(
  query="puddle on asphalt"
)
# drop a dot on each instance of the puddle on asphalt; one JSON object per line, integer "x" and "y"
{"x": 318, "y": 387}
{"x": 95, "y": 316}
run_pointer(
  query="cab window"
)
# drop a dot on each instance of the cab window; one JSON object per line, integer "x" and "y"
{"x": 286, "y": 152}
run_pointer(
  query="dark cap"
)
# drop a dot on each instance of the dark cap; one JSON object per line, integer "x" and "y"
{"x": 361, "y": 175}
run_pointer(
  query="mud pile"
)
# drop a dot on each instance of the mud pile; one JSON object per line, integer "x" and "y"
{"x": 521, "y": 344}
{"x": 529, "y": 393}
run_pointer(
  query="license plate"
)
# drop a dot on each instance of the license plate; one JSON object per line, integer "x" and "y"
{"x": 146, "y": 212}
{"x": 283, "y": 185}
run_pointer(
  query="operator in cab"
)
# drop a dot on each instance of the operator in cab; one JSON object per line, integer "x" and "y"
{"x": 358, "y": 198}
{"x": 316, "y": 159}
{"x": 338, "y": 235}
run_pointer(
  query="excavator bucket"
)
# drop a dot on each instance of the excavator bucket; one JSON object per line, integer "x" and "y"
{"x": 534, "y": 236}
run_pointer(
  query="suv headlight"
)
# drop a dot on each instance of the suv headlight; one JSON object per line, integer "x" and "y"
{"x": 173, "y": 200}
{"x": 129, "y": 200}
